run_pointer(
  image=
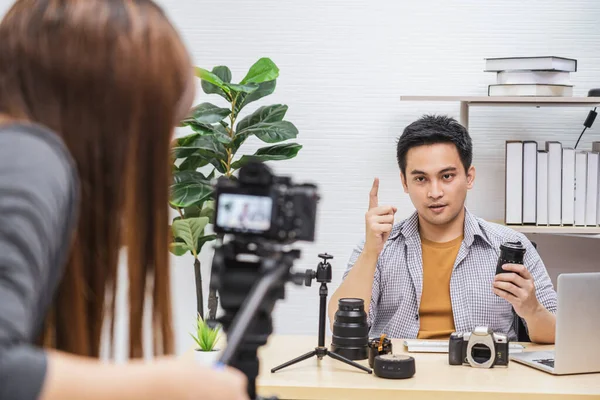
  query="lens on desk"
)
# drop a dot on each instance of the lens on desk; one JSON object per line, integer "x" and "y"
{"x": 350, "y": 330}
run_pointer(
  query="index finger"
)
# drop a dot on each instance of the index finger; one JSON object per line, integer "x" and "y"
{"x": 519, "y": 269}
{"x": 373, "y": 198}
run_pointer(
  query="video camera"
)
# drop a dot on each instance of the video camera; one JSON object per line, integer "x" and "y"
{"x": 260, "y": 204}
{"x": 261, "y": 214}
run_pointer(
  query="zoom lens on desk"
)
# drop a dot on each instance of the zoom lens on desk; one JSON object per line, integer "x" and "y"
{"x": 350, "y": 330}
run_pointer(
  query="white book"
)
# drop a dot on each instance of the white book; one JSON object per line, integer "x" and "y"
{"x": 531, "y": 90}
{"x": 580, "y": 185}
{"x": 514, "y": 182}
{"x": 542, "y": 188}
{"x": 533, "y": 77}
{"x": 529, "y": 181}
{"x": 545, "y": 63}
{"x": 554, "y": 150}
{"x": 591, "y": 202}
{"x": 568, "y": 186}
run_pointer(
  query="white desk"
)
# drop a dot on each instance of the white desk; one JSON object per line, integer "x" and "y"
{"x": 434, "y": 379}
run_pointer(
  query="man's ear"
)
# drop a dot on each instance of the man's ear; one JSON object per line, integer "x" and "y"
{"x": 470, "y": 177}
{"x": 403, "y": 179}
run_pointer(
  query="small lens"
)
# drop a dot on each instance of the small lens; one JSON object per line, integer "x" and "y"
{"x": 480, "y": 353}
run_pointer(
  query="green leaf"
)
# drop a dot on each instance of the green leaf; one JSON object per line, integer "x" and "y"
{"x": 190, "y": 230}
{"x": 223, "y": 72}
{"x": 208, "y": 210}
{"x": 264, "y": 89}
{"x": 192, "y": 212}
{"x": 207, "y": 144}
{"x": 271, "y": 153}
{"x": 222, "y": 134}
{"x": 188, "y": 193}
{"x": 273, "y": 113}
{"x": 262, "y": 71}
{"x": 272, "y": 132}
{"x": 207, "y": 113}
{"x": 214, "y": 82}
{"x": 178, "y": 248}
{"x": 193, "y": 163}
{"x": 247, "y": 88}
{"x": 205, "y": 239}
{"x": 187, "y": 176}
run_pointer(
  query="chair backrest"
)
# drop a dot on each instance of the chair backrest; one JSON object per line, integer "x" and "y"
{"x": 520, "y": 329}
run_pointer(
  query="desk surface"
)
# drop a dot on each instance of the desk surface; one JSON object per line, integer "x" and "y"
{"x": 434, "y": 378}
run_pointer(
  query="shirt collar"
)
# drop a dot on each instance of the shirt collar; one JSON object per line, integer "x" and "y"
{"x": 472, "y": 228}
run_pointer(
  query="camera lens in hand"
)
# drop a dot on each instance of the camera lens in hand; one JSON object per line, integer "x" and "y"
{"x": 510, "y": 253}
{"x": 350, "y": 330}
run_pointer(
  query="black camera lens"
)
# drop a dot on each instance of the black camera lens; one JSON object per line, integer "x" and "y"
{"x": 350, "y": 330}
{"x": 510, "y": 253}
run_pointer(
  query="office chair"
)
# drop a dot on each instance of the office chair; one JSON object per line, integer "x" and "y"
{"x": 520, "y": 330}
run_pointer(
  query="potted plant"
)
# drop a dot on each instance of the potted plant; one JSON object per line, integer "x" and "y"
{"x": 211, "y": 150}
{"x": 206, "y": 338}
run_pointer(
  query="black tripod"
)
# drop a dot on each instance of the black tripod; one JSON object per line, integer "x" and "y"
{"x": 323, "y": 275}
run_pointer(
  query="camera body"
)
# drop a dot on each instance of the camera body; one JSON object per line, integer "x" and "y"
{"x": 481, "y": 348}
{"x": 260, "y": 204}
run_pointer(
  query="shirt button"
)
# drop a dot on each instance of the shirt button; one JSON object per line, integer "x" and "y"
{"x": 416, "y": 317}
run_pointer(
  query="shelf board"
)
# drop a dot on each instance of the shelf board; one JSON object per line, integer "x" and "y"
{"x": 491, "y": 100}
{"x": 556, "y": 230}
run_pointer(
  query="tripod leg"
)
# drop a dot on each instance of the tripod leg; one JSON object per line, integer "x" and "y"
{"x": 349, "y": 362}
{"x": 296, "y": 360}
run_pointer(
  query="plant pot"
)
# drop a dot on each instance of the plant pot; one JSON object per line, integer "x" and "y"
{"x": 207, "y": 358}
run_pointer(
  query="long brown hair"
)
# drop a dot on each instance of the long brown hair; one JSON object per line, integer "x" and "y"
{"x": 108, "y": 76}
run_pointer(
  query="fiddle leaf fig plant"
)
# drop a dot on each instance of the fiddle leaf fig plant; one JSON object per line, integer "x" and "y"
{"x": 211, "y": 150}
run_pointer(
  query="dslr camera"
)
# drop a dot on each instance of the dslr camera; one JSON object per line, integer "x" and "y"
{"x": 481, "y": 348}
{"x": 261, "y": 205}
{"x": 261, "y": 214}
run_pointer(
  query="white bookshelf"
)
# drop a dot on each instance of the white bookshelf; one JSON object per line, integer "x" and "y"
{"x": 582, "y": 231}
{"x": 497, "y": 101}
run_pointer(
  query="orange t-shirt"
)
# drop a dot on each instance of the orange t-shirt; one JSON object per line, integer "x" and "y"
{"x": 435, "y": 311}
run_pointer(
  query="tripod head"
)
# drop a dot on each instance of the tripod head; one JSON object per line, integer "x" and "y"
{"x": 323, "y": 272}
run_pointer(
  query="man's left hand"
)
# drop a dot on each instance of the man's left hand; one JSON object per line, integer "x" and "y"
{"x": 518, "y": 288}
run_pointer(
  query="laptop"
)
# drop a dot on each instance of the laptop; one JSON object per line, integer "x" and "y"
{"x": 577, "y": 341}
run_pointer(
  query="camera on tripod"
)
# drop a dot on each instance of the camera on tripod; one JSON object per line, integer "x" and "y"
{"x": 260, "y": 204}
{"x": 257, "y": 217}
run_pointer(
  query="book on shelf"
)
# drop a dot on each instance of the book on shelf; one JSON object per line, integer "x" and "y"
{"x": 514, "y": 182}
{"x": 533, "y": 78}
{"x": 554, "y": 150}
{"x": 580, "y": 184}
{"x": 537, "y": 90}
{"x": 542, "y": 188}
{"x": 591, "y": 189}
{"x": 529, "y": 181}
{"x": 568, "y": 186}
{"x": 551, "y": 186}
{"x": 536, "y": 63}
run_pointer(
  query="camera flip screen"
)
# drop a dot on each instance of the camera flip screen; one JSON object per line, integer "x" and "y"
{"x": 244, "y": 213}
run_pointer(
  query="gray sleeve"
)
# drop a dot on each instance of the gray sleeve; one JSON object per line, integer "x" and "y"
{"x": 356, "y": 252}
{"x": 37, "y": 190}
{"x": 544, "y": 289}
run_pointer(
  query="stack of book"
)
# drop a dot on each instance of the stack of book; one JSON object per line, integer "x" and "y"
{"x": 531, "y": 76}
{"x": 555, "y": 185}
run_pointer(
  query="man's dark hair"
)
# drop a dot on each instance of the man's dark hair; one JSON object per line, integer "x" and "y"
{"x": 432, "y": 129}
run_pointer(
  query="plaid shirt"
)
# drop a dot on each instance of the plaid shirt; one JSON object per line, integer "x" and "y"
{"x": 398, "y": 282}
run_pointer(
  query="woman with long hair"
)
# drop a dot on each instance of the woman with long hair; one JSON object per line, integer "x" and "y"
{"x": 90, "y": 93}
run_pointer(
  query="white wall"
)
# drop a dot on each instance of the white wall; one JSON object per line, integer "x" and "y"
{"x": 344, "y": 66}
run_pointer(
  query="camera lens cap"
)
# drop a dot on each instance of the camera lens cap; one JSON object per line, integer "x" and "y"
{"x": 394, "y": 366}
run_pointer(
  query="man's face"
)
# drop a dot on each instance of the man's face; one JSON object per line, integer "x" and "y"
{"x": 436, "y": 182}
